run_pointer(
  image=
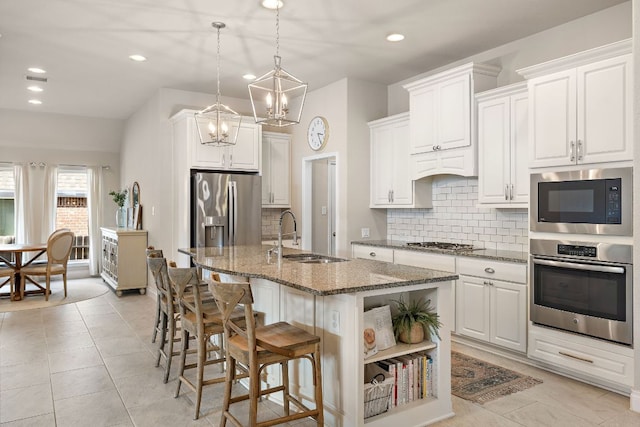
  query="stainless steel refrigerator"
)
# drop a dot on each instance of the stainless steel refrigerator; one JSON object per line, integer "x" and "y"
{"x": 226, "y": 209}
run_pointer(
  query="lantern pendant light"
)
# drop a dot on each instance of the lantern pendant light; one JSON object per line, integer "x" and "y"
{"x": 218, "y": 124}
{"x": 272, "y": 94}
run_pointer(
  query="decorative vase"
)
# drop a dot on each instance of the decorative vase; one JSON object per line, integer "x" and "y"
{"x": 121, "y": 217}
{"x": 413, "y": 335}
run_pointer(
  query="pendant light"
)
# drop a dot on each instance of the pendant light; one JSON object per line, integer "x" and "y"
{"x": 218, "y": 124}
{"x": 272, "y": 93}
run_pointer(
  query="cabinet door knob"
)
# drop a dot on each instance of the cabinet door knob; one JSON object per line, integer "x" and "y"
{"x": 372, "y": 254}
{"x": 489, "y": 270}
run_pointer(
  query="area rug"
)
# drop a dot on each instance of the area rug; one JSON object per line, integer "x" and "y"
{"x": 77, "y": 290}
{"x": 480, "y": 382}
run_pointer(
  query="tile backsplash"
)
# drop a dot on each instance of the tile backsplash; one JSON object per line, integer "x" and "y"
{"x": 455, "y": 218}
{"x": 270, "y": 221}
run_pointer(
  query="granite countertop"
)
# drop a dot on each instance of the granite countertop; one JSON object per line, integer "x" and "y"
{"x": 352, "y": 275}
{"x": 494, "y": 254}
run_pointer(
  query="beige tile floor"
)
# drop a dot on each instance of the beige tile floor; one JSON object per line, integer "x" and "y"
{"x": 91, "y": 363}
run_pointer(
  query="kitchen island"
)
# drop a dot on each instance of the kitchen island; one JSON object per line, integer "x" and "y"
{"x": 329, "y": 300}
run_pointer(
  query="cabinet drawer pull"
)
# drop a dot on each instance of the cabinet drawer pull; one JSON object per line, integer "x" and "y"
{"x": 572, "y": 148}
{"x": 575, "y": 357}
{"x": 489, "y": 270}
{"x": 372, "y": 254}
{"x": 506, "y": 192}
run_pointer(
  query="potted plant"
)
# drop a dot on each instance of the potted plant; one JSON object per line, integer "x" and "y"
{"x": 411, "y": 320}
{"x": 119, "y": 197}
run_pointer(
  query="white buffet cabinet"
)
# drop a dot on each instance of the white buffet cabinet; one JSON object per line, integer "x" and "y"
{"x": 124, "y": 262}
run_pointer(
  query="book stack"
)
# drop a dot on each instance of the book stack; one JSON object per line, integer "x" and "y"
{"x": 413, "y": 377}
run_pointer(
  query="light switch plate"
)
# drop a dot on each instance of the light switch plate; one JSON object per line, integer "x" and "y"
{"x": 365, "y": 232}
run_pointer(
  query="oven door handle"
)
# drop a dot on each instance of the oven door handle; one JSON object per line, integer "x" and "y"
{"x": 576, "y": 266}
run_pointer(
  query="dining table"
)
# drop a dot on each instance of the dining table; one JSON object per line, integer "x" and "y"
{"x": 18, "y": 250}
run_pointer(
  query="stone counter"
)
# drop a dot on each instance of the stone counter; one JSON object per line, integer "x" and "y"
{"x": 493, "y": 254}
{"x": 352, "y": 275}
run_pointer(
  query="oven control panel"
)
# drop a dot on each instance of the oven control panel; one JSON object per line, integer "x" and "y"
{"x": 578, "y": 250}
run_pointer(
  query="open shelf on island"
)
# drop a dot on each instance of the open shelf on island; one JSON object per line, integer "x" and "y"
{"x": 400, "y": 349}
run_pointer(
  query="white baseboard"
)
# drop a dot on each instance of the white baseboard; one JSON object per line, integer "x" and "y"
{"x": 634, "y": 399}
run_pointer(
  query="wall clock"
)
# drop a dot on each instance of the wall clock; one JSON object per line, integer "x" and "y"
{"x": 318, "y": 133}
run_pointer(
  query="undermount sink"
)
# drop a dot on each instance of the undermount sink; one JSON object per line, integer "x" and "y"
{"x": 312, "y": 258}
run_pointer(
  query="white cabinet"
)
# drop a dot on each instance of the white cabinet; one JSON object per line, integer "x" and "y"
{"x": 491, "y": 302}
{"x": 503, "y": 172}
{"x": 243, "y": 156}
{"x": 581, "y": 108}
{"x": 276, "y": 170}
{"x": 391, "y": 182}
{"x": 597, "y": 361}
{"x": 442, "y": 118}
{"x": 372, "y": 252}
{"x": 124, "y": 261}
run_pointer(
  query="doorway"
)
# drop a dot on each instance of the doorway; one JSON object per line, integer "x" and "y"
{"x": 319, "y": 203}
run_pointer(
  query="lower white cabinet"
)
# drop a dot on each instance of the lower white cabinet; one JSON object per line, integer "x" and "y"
{"x": 124, "y": 262}
{"x": 595, "y": 360}
{"x": 491, "y": 302}
{"x": 372, "y": 252}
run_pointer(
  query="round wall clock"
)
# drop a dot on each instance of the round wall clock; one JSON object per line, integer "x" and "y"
{"x": 318, "y": 133}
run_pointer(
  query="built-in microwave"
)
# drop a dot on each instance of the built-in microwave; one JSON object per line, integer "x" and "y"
{"x": 587, "y": 201}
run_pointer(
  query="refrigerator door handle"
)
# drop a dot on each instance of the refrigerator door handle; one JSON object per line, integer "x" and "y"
{"x": 233, "y": 212}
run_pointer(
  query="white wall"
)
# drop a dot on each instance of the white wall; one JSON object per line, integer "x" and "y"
{"x": 146, "y": 157}
{"x": 607, "y": 26}
{"x": 347, "y": 105}
{"x": 635, "y": 390}
{"x": 63, "y": 140}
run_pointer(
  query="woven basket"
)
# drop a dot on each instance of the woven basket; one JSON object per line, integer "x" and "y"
{"x": 377, "y": 390}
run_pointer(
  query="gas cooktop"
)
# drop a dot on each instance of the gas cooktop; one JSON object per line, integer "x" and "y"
{"x": 454, "y": 247}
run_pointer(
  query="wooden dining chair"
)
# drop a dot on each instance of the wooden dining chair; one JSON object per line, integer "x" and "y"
{"x": 59, "y": 247}
{"x": 7, "y": 276}
{"x": 258, "y": 347}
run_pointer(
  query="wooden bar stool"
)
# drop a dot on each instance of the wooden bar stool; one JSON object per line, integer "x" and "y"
{"x": 151, "y": 251}
{"x": 259, "y": 347}
{"x": 201, "y": 321}
{"x": 9, "y": 277}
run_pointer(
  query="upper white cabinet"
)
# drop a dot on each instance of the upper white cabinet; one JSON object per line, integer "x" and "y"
{"x": 276, "y": 170}
{"x": 503, "y": 172}
{"x": 244, "y": 156}
{"x": 442, "y": 119}
{"x": 581, "y": 108}
{"x": 391, "y": 182}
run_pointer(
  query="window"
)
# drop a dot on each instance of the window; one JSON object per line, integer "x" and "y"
{"x": 7, "y": 203}
{"x": 71, "y": 211}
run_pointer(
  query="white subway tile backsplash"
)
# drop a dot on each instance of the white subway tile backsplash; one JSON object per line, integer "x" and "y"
{"x": 456, "y": 218}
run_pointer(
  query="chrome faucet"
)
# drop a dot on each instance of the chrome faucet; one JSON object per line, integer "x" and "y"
{"x": 295, "y": 232}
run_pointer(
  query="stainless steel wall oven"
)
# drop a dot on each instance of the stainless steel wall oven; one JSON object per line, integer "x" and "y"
{"x": 582, "y": 287}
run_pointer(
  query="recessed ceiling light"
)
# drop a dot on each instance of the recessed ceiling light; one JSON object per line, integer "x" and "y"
{"x": 272, "y": 4}
{"x": 36, "y": 70}
{"x": 249, "y": 77}
{"x": 35, "y": 101}
{"x": 395, "y": 37}
{"x": 137, "y": 58}
{"x": 35, "y": 88}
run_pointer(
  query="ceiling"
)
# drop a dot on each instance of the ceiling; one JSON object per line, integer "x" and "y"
{"x": 84, "y": 44}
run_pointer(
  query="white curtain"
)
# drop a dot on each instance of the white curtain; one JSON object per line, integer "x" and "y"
{"x": 23, "y": 223}
{"x": 94, "y": 208}
{"x": 50, "y": 202}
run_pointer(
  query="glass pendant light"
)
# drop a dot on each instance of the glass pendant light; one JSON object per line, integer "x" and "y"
{"x": 272, "y": 94}
{"x": 218, "y": 124}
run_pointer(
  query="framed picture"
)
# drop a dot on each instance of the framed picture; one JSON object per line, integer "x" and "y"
{"x": 130, "y": 218}
{"x": 137, "y": 217}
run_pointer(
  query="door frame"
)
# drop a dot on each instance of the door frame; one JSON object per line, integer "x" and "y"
{"x": 307, "y": 181}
